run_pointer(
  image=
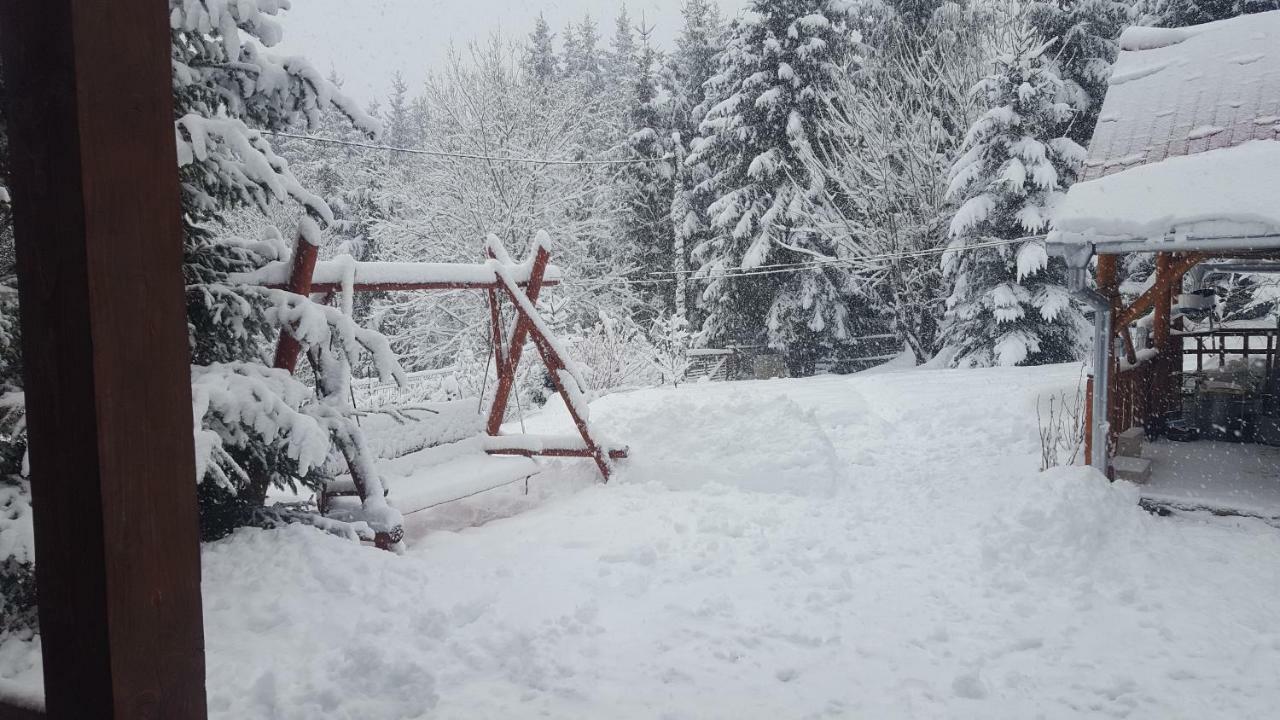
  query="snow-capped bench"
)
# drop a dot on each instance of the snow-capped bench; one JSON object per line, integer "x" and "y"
{"x": 429, "y": 485}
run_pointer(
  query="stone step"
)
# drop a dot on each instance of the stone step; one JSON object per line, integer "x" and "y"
{"x": 1133, "y": 469}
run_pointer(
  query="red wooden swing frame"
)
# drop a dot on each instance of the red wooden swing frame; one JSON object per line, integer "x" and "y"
{"x": 526, "y": 328}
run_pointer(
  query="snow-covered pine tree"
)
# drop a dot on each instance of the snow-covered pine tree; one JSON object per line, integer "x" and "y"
{"x": 570, "y": 52}
{"x": 897, "y": 123}
{"x": 257, "y": 427}
{"x": 582, "y": 61}
{"x": 540, "y": 57}
{"x": 1085, "y": 34}
{"x": 689, "y": 68}
{"x": 647, "y": 187}
{"x": 1180, "y": 13}
{"x": 778, "y": 69}
{"x": 398, "y": 129}
{"x": 1008, "y": 304}
{"x": 622, "y": 59}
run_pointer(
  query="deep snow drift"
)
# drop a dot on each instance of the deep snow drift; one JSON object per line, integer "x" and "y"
{"x": 876, "y": 546}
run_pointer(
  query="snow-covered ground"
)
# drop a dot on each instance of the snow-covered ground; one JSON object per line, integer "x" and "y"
{"x": 870, "y": 546}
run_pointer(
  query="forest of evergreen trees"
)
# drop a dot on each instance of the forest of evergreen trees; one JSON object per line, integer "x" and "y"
{"x": 809, "y": 175}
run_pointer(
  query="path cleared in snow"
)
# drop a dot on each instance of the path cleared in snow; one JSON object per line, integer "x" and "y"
{"x": 876, "y": 546}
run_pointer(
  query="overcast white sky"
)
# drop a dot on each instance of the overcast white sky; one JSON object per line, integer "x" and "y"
{"x": 367, "y": 40}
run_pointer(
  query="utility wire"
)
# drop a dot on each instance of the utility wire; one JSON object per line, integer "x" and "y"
{"x": 461, "y": 156}
{"x": 883, "y": 256}
{"x": 784, "y": 268}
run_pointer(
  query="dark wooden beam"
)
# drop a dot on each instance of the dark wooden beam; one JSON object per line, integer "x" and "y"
{"x": 99, "y": 246}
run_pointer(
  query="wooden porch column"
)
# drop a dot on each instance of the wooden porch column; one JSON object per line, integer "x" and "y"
{"x": 1168, "y": 362}
{"x": 99, "y": 245}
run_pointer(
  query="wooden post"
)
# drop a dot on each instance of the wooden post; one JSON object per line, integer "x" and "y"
{"x": 304, "y": 268}
{"x": 515, "y": 345}
{"x": 108, "y": 383}
{"x": 1162, "y": 387}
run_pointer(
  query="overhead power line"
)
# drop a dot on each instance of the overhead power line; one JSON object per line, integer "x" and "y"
{"x": 784, "y": 268}
{"x": 461, "y": 156}
{"x": 822, "y": 262}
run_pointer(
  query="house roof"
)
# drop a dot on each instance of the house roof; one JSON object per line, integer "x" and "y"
{"x": 1180, "y": 91}
{"x": 1188, "y": 138}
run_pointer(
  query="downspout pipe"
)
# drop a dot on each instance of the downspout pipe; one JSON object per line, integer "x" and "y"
{"x": 1078, "y": 284}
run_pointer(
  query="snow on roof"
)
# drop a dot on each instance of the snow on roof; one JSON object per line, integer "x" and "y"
{"x": 1179, "y": 91}
{"x": 1188, "y": 138}
{"x": 1232, "y": 192}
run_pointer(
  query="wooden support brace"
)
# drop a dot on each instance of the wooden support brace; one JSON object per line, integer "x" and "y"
{"x": 515, "y": 342}
{"x": 1176, "y": 268}
{"x": 556, "y": 364}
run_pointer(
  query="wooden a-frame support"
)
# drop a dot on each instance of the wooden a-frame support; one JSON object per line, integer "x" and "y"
{"x": 508, "y": 347}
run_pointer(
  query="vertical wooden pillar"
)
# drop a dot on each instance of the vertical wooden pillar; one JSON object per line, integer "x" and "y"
{"x": 96, "y": 206}
{"x": 1168, "y": 368}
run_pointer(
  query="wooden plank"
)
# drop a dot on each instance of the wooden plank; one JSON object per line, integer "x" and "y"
{"x": 99, "y": 246}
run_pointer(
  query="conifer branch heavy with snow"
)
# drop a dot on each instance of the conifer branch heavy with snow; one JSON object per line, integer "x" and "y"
{"x": 1008, "y": 304}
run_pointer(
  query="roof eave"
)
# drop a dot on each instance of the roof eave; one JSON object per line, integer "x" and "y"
{"x": 1078, "y": 248}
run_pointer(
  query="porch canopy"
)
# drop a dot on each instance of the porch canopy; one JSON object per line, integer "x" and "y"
{"x": 1184, "y": 163}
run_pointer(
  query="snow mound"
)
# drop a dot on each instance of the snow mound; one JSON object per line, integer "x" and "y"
{"x": 300, "y": 624}
{"x": 1060, "y": 522}
{"x": 758, "y": 442}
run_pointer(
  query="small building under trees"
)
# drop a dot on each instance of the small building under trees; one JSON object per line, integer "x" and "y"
{"x": 1179, "y": 199}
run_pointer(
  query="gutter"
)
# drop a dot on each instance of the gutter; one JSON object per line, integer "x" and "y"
{"x": 1077, "y": 258}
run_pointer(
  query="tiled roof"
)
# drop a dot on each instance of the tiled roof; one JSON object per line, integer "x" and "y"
{"x": 1181, "y": 91}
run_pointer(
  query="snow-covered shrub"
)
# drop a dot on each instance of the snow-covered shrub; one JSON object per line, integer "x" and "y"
{"x": 669, "y": 339}
{"x": 613, "y": 354}
{"x": 1060, "y": 419}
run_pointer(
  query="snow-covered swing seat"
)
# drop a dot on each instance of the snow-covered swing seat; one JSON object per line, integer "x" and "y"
{"x": 465, "y": 467}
